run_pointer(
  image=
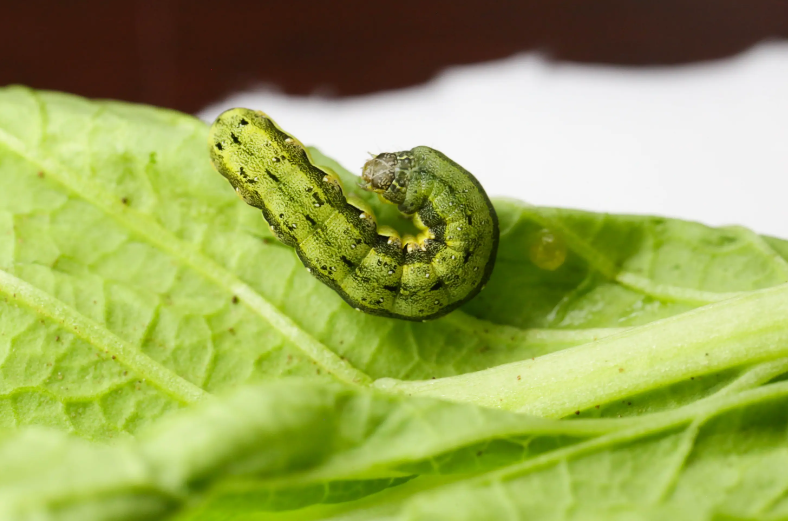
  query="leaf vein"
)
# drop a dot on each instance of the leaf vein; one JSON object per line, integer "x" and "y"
{"x": 155, "y": 234}
{"x": 100, "y": 337}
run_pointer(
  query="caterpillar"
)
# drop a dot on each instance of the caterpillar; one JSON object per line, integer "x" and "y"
{"x": 372, "y": 268}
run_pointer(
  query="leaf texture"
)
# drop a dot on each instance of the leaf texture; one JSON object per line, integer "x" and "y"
{"x": 163, "y": 356}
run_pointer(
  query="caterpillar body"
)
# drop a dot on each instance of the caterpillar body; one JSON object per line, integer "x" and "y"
{"x": 337, "y": 239}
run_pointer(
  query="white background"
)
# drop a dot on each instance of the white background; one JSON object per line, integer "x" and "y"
{"x": 705, "y": 142}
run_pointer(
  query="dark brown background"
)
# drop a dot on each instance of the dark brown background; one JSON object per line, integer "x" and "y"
{"x": 184, "y": 54}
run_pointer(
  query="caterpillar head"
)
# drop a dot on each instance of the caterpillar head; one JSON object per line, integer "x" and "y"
{"x": 378, "y": 173}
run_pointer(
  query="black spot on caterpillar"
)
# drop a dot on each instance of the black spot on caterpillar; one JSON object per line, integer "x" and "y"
{"x": 372, "y": 268}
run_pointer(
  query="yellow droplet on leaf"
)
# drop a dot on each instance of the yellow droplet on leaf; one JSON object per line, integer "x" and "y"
{"x": 548, "y": 250}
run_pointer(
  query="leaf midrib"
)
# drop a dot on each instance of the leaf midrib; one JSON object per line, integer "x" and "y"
{"x": 758, "y": 313}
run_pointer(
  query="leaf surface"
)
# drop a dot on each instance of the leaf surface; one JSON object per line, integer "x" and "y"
{"x": 159, "y": 343}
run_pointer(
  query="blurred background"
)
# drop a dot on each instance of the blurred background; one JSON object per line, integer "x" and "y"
{"x": 677, "y": 108}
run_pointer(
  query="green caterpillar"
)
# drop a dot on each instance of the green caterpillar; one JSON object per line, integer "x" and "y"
{"x": 372, "y": 268}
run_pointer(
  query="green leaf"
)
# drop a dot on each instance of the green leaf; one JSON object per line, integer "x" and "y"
{"x": 255, "y": 453}
{"x": 135, "y": 288}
